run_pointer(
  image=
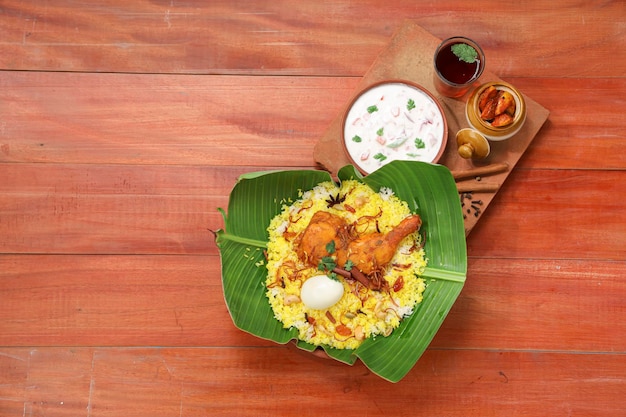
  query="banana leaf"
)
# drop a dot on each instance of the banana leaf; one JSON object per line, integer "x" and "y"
{"x": 429, "y": 190}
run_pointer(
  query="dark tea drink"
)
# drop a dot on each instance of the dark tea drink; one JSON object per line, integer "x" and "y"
{"x": 454, "y": 69}
{"x": 458, "y": 62}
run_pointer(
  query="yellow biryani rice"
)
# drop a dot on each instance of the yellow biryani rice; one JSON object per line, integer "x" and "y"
{"x": 360, "y": 313}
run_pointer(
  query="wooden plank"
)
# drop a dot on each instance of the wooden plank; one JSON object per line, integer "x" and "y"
{"x": 398, "y": 61}
{"x": 177, "y": 301}
{"x": 154, "y": 119}
{"x": 261, "y": 381}
{"x": 111, "y": 209}
{"x": 539, "y": 304}
{"x": 555, "y": 214}
{"x": 113, "y": 165}
{"x": 193, "y": 120}
{"x": 52, "y": 377}
{"x": 119, "y": 300}
{"x": 584, "y": 129}
{"x": 281, "y": 37}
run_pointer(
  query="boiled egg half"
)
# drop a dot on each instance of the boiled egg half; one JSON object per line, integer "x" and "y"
{"x": 321, "y": 292}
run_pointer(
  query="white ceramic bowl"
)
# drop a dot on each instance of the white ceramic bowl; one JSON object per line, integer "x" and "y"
{"x": 393, "y": 120}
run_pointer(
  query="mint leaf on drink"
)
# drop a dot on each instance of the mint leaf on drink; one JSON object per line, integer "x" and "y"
{"x": 465, "y": 52}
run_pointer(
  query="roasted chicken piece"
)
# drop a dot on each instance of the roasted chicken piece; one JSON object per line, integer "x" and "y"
{"x": 371, "y": 252}
{"x": 368, "y": 252}
{"x": 323, "y": 228}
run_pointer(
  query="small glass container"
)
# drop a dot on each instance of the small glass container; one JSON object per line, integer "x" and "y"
{"x": 486, "y": 127}
{"x": 453, "y": 76}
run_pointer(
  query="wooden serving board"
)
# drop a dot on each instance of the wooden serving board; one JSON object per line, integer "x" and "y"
{"x": 409, "y": 56}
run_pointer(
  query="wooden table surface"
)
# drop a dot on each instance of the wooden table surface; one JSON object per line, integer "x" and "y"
{"x": 124, "y": 126}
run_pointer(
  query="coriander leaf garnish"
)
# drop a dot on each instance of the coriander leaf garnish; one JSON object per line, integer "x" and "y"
{"x": 380, "y": 157}
{"x": 372, "y": 109}
{"x": 327, "y": 263}
{"x": 380, "y": 131}
{"x": 348, "y": 266}
{"x": 357, "y": 139}
{"x": 330, "y": 247}
{"x": 419, "y": 144}
{"x": 410, "y": 105}
{"x": 465, "y": 52}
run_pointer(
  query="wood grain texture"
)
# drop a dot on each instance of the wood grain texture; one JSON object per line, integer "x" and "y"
{"x": 163, "y": 119}
{"x": 251, "y": 382}
{"x": 176, "y": 120}
{"x": 97, "y": 300}
{"x": 303, "y": 38}
{"x": 124, "y": 126}
{"x": 111, "y": 209}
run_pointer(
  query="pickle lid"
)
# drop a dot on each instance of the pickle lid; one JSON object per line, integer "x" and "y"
{"x": 472, "y": 144}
